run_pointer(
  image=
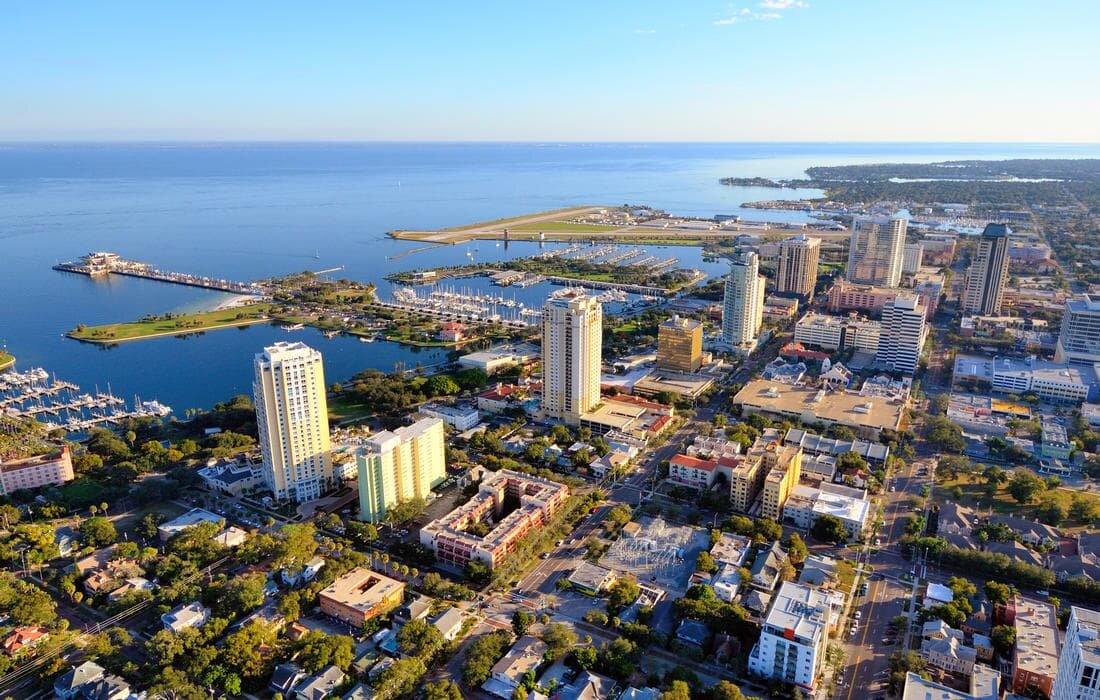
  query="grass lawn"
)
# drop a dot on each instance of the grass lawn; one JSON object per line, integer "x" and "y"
{"x": 974, "y": 496}
{"x": 177, "y": 324}
{"x": 6, "y": 359}
{"x": 563, "y": 227}
{"x": 342, "y": 407}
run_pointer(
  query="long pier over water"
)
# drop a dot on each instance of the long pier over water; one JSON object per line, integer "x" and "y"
{"x": 101, "y": 263}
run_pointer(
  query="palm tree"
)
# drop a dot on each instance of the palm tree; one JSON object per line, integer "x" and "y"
{"x": 93, "y": 509}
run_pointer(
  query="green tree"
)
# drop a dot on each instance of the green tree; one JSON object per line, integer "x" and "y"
{"x": 796, "y": 549}
{"x": 559, "y": 638}
{"x": 618, "y": 658}
{"x": 443, "y": 690}
{"x": 944, "y": 435}
{"x": 242, "y": 595}
{"x": 678, "y": 691}
{"x": 295, "y": 545}
{"x": 623, "y": 592}
{"x": 726, "y": 691}
{"x": 521, "y": 621}
{"x": 317, "y": 649}
{"x": 584, "y": 658}
{"x": 482, "y": 654}
{"x": 1082, "y": 509}
{"x": 705, "y": 563}
{"x": 441, "y": 385}
{"x": 420, "y": 638}
{"x": 1051, "y": 511}
{"x": 767, "y": 530}
{"x": 98, "y": 532}
{"x": 998, "y": 593}
{"x": 400, "y": 679}
{"x": 1004, "y": 640}
{"x": 1024, "y": 486}
{"x": 829, "y": 528}
{"x": 243, "y": 650}
{"x": 289, "y": 606}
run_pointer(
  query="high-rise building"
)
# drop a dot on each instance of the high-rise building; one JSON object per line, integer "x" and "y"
{"x": 292, "y": 421}
{"x": 911, "y": 258}
{"x": 784, "y": 463}
{"x": 903, "y": 333}
{"x": 985, "y": 280}
{"x": 399, "y": 465}
{"x": 794, "y": 635}
{"x": 876, "y": 251}
{"x": 1078, "y": 676}
{"x": 798, "y": 260}
{"x": 680, "y": 344}
{"x": 743, "y": 305}
{"x": 572, "y": 342}
{"x": 1079, "y": 340}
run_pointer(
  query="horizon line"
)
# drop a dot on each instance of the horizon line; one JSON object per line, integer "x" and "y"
{"x": 322, "y": 141}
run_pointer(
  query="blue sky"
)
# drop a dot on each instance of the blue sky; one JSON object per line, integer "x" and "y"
{"x": 830, "y": 70}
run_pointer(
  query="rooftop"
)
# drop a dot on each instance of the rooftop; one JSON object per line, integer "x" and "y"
{"x": 361, "y": 588}
{"x": 800, "y": 612}
{"x": 1036, "y": 637}
{"x": 1088, "y": 633}
{"x": 816, "y": 404}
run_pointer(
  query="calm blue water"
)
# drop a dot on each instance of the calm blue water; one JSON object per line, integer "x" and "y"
{"x": 257, "y": 210}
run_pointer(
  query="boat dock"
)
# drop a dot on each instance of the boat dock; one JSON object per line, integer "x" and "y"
{"x": 57, "y": 405}
{"x": 100, "y": 264}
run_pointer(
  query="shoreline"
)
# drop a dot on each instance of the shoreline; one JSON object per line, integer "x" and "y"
{"x": 6, "y": 360}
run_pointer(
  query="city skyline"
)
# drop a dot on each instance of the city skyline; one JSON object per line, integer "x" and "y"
{"x": 744, "y": 71}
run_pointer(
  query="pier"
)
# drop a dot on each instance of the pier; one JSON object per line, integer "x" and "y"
{"x": 100, "y": 264}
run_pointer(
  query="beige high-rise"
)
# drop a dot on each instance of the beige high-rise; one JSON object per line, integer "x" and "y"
{"x": 292, "y": 421}
{"x": 743, "y": 302}
{"x": 876, "y": 252}
{"x": 572, "y": 344}
{"x": 798, "y": 261}
{"x": 680, "y": 344}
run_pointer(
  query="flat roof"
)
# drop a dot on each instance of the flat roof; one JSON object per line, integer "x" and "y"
{"x": 362, "y": 588}
{"x": 837, "y": 407}
{"x": 1036, "y": 637}
{"x": 802, "y": 610}
{"x": 1088, "y": 634}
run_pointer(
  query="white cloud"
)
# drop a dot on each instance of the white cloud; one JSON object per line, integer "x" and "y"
{"x": 782, "y": 4}
{"x": 746, "y": 14}
{"x": 645, "y": 31}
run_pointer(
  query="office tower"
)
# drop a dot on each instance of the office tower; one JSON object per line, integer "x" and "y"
{"x": 1079, "y": 340}
{"x": 798, "y": 259}
{"x": 400, "y": 465}
{"x": 904, "y": 331}
{"x": 572, "y": 342}
{"x": 292, "y": 421}
{"x": 911, "y": 258}
{"x": 680, "y": 344}
{"x": 743, "y": 305}
{"x": 1078, "y": 676}
{"x": 875, "y": 255}
{"x": 985, "y": 280}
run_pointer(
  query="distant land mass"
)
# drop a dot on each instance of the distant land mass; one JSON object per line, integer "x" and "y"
{"x": 1014, "y": 183}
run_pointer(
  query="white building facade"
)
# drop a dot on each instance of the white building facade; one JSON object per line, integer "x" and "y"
{"x": 743, "y": 303}
{"x": 904, "y": 331}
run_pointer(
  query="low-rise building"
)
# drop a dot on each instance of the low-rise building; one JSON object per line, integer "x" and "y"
{"x": 458, "y": 417}
{"x": 52, "y": 469}
{"x": 1052, "y": 382}
{"x": 1035, "y": 662}
{"x": 591, "y": 579}
{"x": 361, "y": 595}
{"x": 234, "y": 477}
{"x": 320, "y": 686}
{"x": 185, "y": 616}
{"x": 509, "y": 504}
{"x": 499, "y": 398}
{"x": 867, "y": 416}
{"x": 508, "y": 673}
{"x": 193, "y": 517}
{"x": 806, "y": 504}
{"x": 496, "y": 359}
{"x": 985, "y": 684}
{"x": 731, "y": 549}
{"x": 73, "y": 682}
{"x": 814, "y": 444}
{"x": 949, "y": 653}
{"x": 838, "y": 332}
{"x": 449, "y": 623}
{"x": 1056, "y": 444}
{"x": 23, "y": 638}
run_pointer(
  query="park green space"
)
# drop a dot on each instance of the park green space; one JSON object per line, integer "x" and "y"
{"x": 974, "y": 496}
{"x": 6, "y": 360}
{"x": 173, "y": 324}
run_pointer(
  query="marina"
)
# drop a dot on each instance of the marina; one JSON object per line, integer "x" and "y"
{"x": 58, "y": 405}
{"x": 99, "y": 264}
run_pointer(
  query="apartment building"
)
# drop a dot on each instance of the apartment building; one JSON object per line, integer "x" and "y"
{"x": 399, "y": 465}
